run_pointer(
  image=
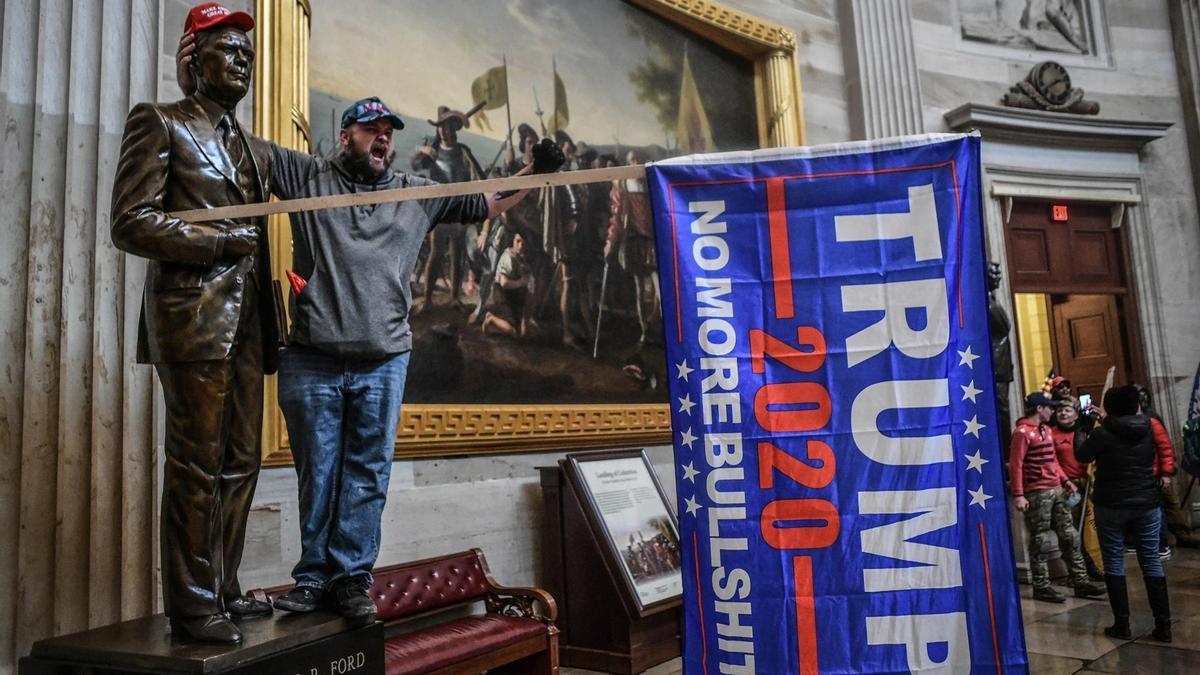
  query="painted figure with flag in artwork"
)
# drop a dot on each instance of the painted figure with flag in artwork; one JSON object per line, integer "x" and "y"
{"x": 443, "y": 159}
{"x": 630, "y": 240}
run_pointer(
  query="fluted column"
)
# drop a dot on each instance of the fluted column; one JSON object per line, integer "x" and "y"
{"x": 881, "y": 68}
{"x": 76, "y": 420}
{"x": 1185, "y": 30}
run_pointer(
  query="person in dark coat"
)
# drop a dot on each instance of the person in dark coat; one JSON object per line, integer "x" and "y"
{"x": 1127, "y": 499}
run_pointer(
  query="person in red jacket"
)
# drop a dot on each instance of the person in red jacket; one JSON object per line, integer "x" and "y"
{"x": 1069, "y": 430}
{"x": 1175, "y": 520}
{"x": 1039, "y": 487}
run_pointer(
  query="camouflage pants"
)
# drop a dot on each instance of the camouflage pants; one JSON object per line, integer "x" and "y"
{"x": 1048, "y": 515}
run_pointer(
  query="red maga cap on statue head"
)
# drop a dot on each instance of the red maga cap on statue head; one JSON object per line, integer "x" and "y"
{"x": 211, "y": 15}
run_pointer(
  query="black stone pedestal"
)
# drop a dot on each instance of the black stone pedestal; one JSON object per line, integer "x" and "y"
{"x": 317, "y": 643}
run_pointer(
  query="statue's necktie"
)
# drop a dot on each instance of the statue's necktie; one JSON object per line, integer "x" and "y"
{"x": 229, "y": 138}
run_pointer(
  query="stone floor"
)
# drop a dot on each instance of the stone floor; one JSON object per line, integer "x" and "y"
{"x": 1069, "y": 638}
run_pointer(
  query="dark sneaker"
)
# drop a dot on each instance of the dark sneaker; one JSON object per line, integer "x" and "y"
{"x": 1048, "y": 594}
{"x": 1089, "y": 591}
{"x": 301, "y": 599}
{"x": 246, "y": 607}
{"x": 350, "y": 599}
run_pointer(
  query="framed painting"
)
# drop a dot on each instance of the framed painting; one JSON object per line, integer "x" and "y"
{"x": 628, "y": 513}
{"x": 575, "y": 358}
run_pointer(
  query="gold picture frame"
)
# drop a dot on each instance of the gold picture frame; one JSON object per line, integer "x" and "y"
{"x": 281, "y": 115}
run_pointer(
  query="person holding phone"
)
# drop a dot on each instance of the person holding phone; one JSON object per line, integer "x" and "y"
{"x": 1071, "y": 426}
{"x": 1128, "y": 503}
{"x": 1040, "y": 487}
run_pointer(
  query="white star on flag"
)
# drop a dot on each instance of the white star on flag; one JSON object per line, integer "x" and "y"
{"x": 969, "y": 391}
{"x": 973, "y": 426}
{"x": 685, "y": 404}
{"x": 689, "y": 472}
{"x": 967, "y": 358}
{"x": 976, "y": 461}
{"x": 979, "y": 497}
{"x": 687, "y": 438}
{"x": 683, "y": 370}
{"x": 692, "y": 506}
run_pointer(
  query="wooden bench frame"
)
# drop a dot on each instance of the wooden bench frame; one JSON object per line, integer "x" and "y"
{"x": 533, "y": 655}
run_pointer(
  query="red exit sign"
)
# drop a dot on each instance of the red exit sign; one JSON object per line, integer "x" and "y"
{"x": 1058, "y": 213}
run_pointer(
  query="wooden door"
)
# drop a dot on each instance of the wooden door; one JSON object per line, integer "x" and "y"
{"x": 1087, "y": 341}
{"x": 1080, "y": 255}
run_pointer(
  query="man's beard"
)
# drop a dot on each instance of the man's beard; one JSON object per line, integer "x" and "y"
{"x": 358, "y": 165}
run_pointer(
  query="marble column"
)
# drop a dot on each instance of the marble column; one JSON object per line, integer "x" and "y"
{"x": 881, "y": 68}
{"x": 76, "y": 422}
{"x": 1185, "y": 31}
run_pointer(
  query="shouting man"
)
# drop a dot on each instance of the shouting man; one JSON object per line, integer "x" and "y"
{"x": 341, "y": 380}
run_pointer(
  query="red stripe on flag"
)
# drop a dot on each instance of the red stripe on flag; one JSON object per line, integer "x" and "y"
{"x": 675, "y": 254}
{"x": 987, "y": 576}
{"x": 806, "y": 615}
{"x": 781, "y": 256}
{"x": 958, "y": 219}
{"x": 700, "y": 604}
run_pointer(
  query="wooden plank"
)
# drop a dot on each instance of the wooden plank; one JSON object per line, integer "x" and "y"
{"x": 245, "y": 211}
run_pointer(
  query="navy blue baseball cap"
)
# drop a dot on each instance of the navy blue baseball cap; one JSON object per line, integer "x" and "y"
{"x": 1038, "y": 398}
{"x": 368, "y": 110}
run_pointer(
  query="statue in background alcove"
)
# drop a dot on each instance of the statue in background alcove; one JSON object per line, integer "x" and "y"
{"x": 1002, "y": 360}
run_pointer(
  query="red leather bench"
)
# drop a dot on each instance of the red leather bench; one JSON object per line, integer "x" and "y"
{"x": 511, "y": 637}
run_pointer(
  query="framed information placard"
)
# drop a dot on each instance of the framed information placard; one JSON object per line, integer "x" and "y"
{"x": 628, "y": 510}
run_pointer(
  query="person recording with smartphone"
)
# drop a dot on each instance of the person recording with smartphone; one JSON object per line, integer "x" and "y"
{"x": 1072, "y": 424}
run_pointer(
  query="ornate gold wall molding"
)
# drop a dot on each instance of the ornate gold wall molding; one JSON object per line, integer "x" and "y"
{"x": 281, "y": 115}
{"x": 771, "y": 48}
{"x": 721, "y": 24}
{"x": 437, "y": 430}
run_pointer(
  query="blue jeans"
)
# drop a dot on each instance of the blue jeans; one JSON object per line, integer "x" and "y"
{"x": 1142, "y": 526}
{"x": 341, "y": 417}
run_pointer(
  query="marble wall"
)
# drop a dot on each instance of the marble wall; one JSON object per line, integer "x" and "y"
{"x": 1139, "y": 83}
{"x": 434, "y": 506}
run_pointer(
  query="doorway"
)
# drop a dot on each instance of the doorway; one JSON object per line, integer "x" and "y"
{"x": 1076, "y": 335}
{"x": 1074, "y": 306}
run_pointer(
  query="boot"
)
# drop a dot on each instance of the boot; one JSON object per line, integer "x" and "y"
{"x": 1048, "y": 594}
{"x": 1118, "y": 599}
{"x": 1160, "y": 605}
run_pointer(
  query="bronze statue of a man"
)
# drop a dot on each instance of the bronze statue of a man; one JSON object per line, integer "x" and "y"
{"x": 208, "y": 318}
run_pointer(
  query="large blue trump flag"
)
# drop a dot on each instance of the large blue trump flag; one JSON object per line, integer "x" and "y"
{"x": 840, "y": 490}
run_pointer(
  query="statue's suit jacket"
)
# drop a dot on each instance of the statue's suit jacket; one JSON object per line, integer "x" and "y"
{"x": 172, "y": 159}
